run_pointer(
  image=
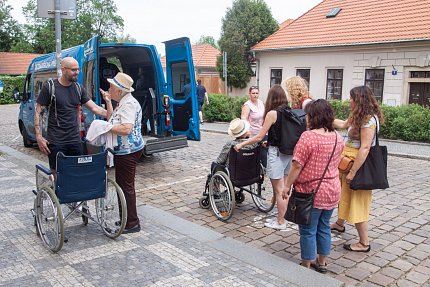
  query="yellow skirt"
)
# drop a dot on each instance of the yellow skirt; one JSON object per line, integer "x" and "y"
{"x": 354, "y": 205}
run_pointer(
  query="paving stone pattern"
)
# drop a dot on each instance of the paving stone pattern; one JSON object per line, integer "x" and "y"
{"x": 399, "y": 228}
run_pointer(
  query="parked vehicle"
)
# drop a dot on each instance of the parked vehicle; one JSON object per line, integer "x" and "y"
{"x": 169, "y": 106}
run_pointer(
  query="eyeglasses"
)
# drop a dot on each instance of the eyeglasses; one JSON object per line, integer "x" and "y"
{"x": 74, "y": 70}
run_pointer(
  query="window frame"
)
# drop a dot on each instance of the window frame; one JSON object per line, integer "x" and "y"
{"x": 308, "y": 78}
{"x": 371, "y": 83}
{"x": 277, "y": 78}
{"x": 334, "y": 79}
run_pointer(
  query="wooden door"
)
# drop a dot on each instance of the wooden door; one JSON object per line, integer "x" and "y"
{"x": 419, "y": 94}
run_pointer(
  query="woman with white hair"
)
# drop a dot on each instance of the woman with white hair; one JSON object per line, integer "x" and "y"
{"x": 126, "y": 124}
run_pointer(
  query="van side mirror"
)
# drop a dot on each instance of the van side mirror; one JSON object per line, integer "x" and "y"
{"x": 16, "y": 95}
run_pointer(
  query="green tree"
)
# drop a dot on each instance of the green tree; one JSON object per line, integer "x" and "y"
{"x": 244, "y": 25}
{"x": 92, "y": 17}
{"x": 207, "y": 40}
{"x": 10, "y": 31}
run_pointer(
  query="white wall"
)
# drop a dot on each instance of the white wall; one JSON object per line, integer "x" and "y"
{"x": 354, "y": 61}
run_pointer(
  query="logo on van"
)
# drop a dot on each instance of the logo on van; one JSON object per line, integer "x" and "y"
{"x": 85, "y": 159}
{"x": 45, "y": 64}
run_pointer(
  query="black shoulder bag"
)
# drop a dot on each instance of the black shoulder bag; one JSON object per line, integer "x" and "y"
{"x": 373, "y": 173}
{"x": 300, "y": 204}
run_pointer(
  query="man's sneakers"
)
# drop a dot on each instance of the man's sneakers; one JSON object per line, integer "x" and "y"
{"x": 275, "y": 225}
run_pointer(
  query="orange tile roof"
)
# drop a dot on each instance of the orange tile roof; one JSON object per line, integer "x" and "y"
{"x": 359, "y": 22}
{"x": 204, "y": 55}
{"x": 15, "y": 63}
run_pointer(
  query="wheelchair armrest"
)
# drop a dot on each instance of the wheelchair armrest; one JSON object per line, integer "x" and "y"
{"x": 43, "y": 169}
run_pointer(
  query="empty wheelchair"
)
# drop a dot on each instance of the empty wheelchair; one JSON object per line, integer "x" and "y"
{"x": 79, "y": 179}
{"x": 225, "y": 186}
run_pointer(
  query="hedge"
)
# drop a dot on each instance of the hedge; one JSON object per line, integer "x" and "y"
{"x": 406, "y": 122}
{"x": 10, "y": 83}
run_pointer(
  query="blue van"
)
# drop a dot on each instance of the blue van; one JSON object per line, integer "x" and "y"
{"x": 169, "y": 104}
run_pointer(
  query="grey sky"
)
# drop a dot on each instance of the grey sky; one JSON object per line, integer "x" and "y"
{"x": 155, "y": 21}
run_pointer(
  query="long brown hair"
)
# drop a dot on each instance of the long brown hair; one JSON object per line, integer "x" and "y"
{"x": 365, "y": 106}
{"x": 276, "y": 98}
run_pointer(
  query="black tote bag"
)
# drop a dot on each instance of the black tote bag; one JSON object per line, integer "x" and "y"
{"x": 373, "y": 173}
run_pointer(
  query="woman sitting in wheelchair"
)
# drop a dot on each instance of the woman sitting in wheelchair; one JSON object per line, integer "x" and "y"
{"x": 239, "y": 129}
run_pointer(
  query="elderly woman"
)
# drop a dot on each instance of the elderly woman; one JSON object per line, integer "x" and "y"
{"x": 311, "y": 157}
{"x": 362, "y": 123}
{"x": 298, "y": 92}
{"x": 126, "y": 122}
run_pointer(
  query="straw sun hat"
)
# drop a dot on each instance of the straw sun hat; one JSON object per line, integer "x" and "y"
{"x": 123, "y": 82}
{"x": 238, "y": 128}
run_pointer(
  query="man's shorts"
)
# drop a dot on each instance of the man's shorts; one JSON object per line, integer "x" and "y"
{"x": 200, "y": 106}
{"x": 278, "y": 164}
{"x": 67, "y": 149}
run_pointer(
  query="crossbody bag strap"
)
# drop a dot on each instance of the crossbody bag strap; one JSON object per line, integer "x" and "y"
{"x": 326, "y": 167}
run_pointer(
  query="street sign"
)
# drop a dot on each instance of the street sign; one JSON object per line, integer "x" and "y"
{"x": 46, "y": 9}
{"x": 1, "y": 86}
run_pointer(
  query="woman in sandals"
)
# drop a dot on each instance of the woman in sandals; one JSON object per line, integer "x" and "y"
{"x": 362, "y": 123}
{"x": 315, "y": 168}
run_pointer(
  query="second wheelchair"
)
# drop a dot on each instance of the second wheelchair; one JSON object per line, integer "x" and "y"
{"x": 225, "y": 185}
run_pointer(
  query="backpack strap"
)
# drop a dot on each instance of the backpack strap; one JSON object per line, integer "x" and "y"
{"x": 51, "y": 87}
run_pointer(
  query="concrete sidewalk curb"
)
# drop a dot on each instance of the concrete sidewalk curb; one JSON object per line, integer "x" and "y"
{"x": 270, "y": 263}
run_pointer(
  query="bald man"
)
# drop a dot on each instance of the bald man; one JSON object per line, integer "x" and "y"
{"x": 63, "y": 126}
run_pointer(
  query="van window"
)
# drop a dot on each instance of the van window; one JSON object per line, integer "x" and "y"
{"x": 181, "y": 80}
{"x": 38, "y": 81}
{"x": 88, "y": 75}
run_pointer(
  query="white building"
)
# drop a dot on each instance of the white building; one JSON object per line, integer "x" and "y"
{"x": 340, "y": 44}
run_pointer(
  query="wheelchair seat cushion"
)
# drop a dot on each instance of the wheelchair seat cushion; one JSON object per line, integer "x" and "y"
{"x": 80, "y": 178}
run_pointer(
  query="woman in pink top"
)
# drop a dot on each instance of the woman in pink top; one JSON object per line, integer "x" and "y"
{"x": 310, "y": 158}
{"x": 253, "y": 111}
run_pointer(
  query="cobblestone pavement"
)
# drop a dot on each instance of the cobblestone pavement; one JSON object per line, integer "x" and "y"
{"x": 169, "y": 251}
{"x": 399, "y": 227}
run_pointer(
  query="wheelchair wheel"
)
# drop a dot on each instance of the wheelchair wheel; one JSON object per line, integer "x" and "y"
{"x": 49, "y": 219}
{"x": 112, "y": 210}
{"x": 221, "y": 195}
{"x": 86, "y": 211}
{"x": 204, "y": 202}
{"x": 240, "y": 197}
{"x": 263, "y": 195}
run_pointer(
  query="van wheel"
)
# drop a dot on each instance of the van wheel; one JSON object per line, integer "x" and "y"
{"x": 27, "y": 142}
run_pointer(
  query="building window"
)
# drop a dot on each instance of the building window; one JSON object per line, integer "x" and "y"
{"x": 305, "y": 74}
{"x": 275, "y": 77}
{"x": 375, "y": 81}
{"x": 419, "y": 74}
{"x": 334, "y": 84}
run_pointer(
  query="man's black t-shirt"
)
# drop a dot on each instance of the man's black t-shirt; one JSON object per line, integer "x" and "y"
{"x": 201, "y": 91}
{"x": 66, "y": 129}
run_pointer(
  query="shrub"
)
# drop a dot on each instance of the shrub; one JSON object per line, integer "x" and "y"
{"x": 407, "y": 122}
{"x": 223, "y": 108}
{"x": 10, "y": 83}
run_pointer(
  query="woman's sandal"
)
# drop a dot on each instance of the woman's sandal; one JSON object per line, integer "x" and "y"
{"x": 349, "y": 248}
{"x": 318, "y": 267}
{"x": 340, "y": 230}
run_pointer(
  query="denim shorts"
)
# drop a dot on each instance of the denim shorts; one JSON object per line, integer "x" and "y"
{"x": 278, "y": 164}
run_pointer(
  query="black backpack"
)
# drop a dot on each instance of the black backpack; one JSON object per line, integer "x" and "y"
{"x": 293, "y": 124}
